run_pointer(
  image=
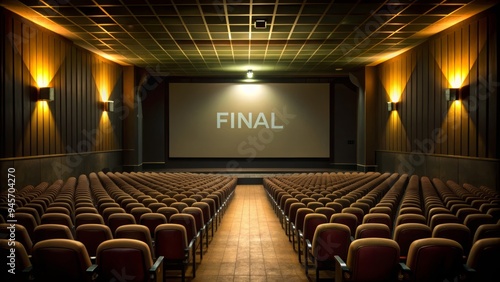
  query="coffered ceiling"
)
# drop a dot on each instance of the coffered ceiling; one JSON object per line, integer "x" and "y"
{"x": 218, "y": 37}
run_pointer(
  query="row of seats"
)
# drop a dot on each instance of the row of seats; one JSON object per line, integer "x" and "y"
{"x": 110, "y": 206}
{"x": 384, "y": 206}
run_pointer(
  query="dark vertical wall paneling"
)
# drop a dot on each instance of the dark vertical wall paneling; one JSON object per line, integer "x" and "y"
{"x": 428, "y": 135}
{"x": 463, "y": 56}
{"x": 74, "y": 123}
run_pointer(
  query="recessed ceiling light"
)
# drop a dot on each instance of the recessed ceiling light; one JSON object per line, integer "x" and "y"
{"x": 339, "y": 69}
{"x": 260, "y": 24}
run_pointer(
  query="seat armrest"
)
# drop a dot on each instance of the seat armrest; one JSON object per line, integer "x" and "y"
{"x": 404, "y": 267}
{"x": 308, "y": 244}
{"x": 341, "y": 269}
{"x": 468, "y": 269}
{"x": 340, "y": 262}
{"x": 92, "y": 269}
{"x": 405, "y": 273}
{"x": 92, "y": 272}
{"x": 156, "y": 271}
{"x": 28, "y": 270}
{"x": 158, "y": 263}
{"x": 301, "y": 234}
{"x": 468, "y": 274}
{"x": 191, "y": 243}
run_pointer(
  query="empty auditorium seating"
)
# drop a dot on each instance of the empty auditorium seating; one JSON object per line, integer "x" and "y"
{"x": 367, "y": 205}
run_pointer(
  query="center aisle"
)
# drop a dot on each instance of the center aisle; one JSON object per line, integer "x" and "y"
{"x": 250, "y": 244}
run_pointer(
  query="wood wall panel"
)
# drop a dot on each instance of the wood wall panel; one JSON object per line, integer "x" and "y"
{"x": 74, "y": 122}
{"x": 424, "y": 121}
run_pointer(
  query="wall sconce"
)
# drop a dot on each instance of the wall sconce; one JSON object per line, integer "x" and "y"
{"x": 391, "y": 106}
{"x": 451, "y": 94}
{"x": 46, "y": 94}
{"x": 249, "y": 74}
{"x": 109, "y": 106}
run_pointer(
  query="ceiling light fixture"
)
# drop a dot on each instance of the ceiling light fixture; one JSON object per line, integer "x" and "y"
{"x": 249, "y": 74}
{"x": 260, "y": 24}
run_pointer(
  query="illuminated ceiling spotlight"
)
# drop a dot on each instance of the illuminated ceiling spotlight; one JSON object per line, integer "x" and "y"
{"x": 109, "y": 106}
{"x": 249, "y": 74}
{"x": 451, "y": 94}
{"x": 46, "y": 94}
{"x": 391, "y": 106}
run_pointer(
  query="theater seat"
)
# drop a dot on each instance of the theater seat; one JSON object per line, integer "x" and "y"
{"x": 189, "y": 223}
{"x": 347, "y": 219}
{"x": 369, "y": 259}
{"x": 473, "y": 221}
{"x": 434, "y": 259}
{"x": 22, "y": 265}
{"x": 372, "y": 230}
{"x": 454, "y": 231}
{"x": 483, "y": 259}
{"x": 378, "y": 218}
{"x": 151, "y": 220}
{"x": 51, "y": 231}
{"x": 487, "y": 231}
{"x": 311, "y": 222}
{"x": 28, "y": 221}
{"x": 406, "y": 233}
{"x": 410, "y": 218}
{"x": 167, "y": 212}
{"x": 119, "y": 257}
{"x": 88, "y": 218}
{"x": 330, "y": 239}
{"x": 60, "y": 260}
{"x": 22, "y": 235}
{"x": 119, "y": 219}
{"x": 136, "y": 232}
{"x": 174, "y": 246}
{"x": 92, "y": 235}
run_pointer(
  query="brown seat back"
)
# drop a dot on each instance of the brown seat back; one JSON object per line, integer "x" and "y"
{"x": 60, "y": 260}
{"x": 435, "y": 259}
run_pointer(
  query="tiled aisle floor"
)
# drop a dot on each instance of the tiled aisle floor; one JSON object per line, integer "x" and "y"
{"x": 250, "y": 244}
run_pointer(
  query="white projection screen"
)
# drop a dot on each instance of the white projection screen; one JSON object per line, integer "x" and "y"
{"x": 230, "y": 120}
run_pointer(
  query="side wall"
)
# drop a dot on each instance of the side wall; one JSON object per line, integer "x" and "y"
{"x": 428, "y": 135}
{"x": 72, "y": 134}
